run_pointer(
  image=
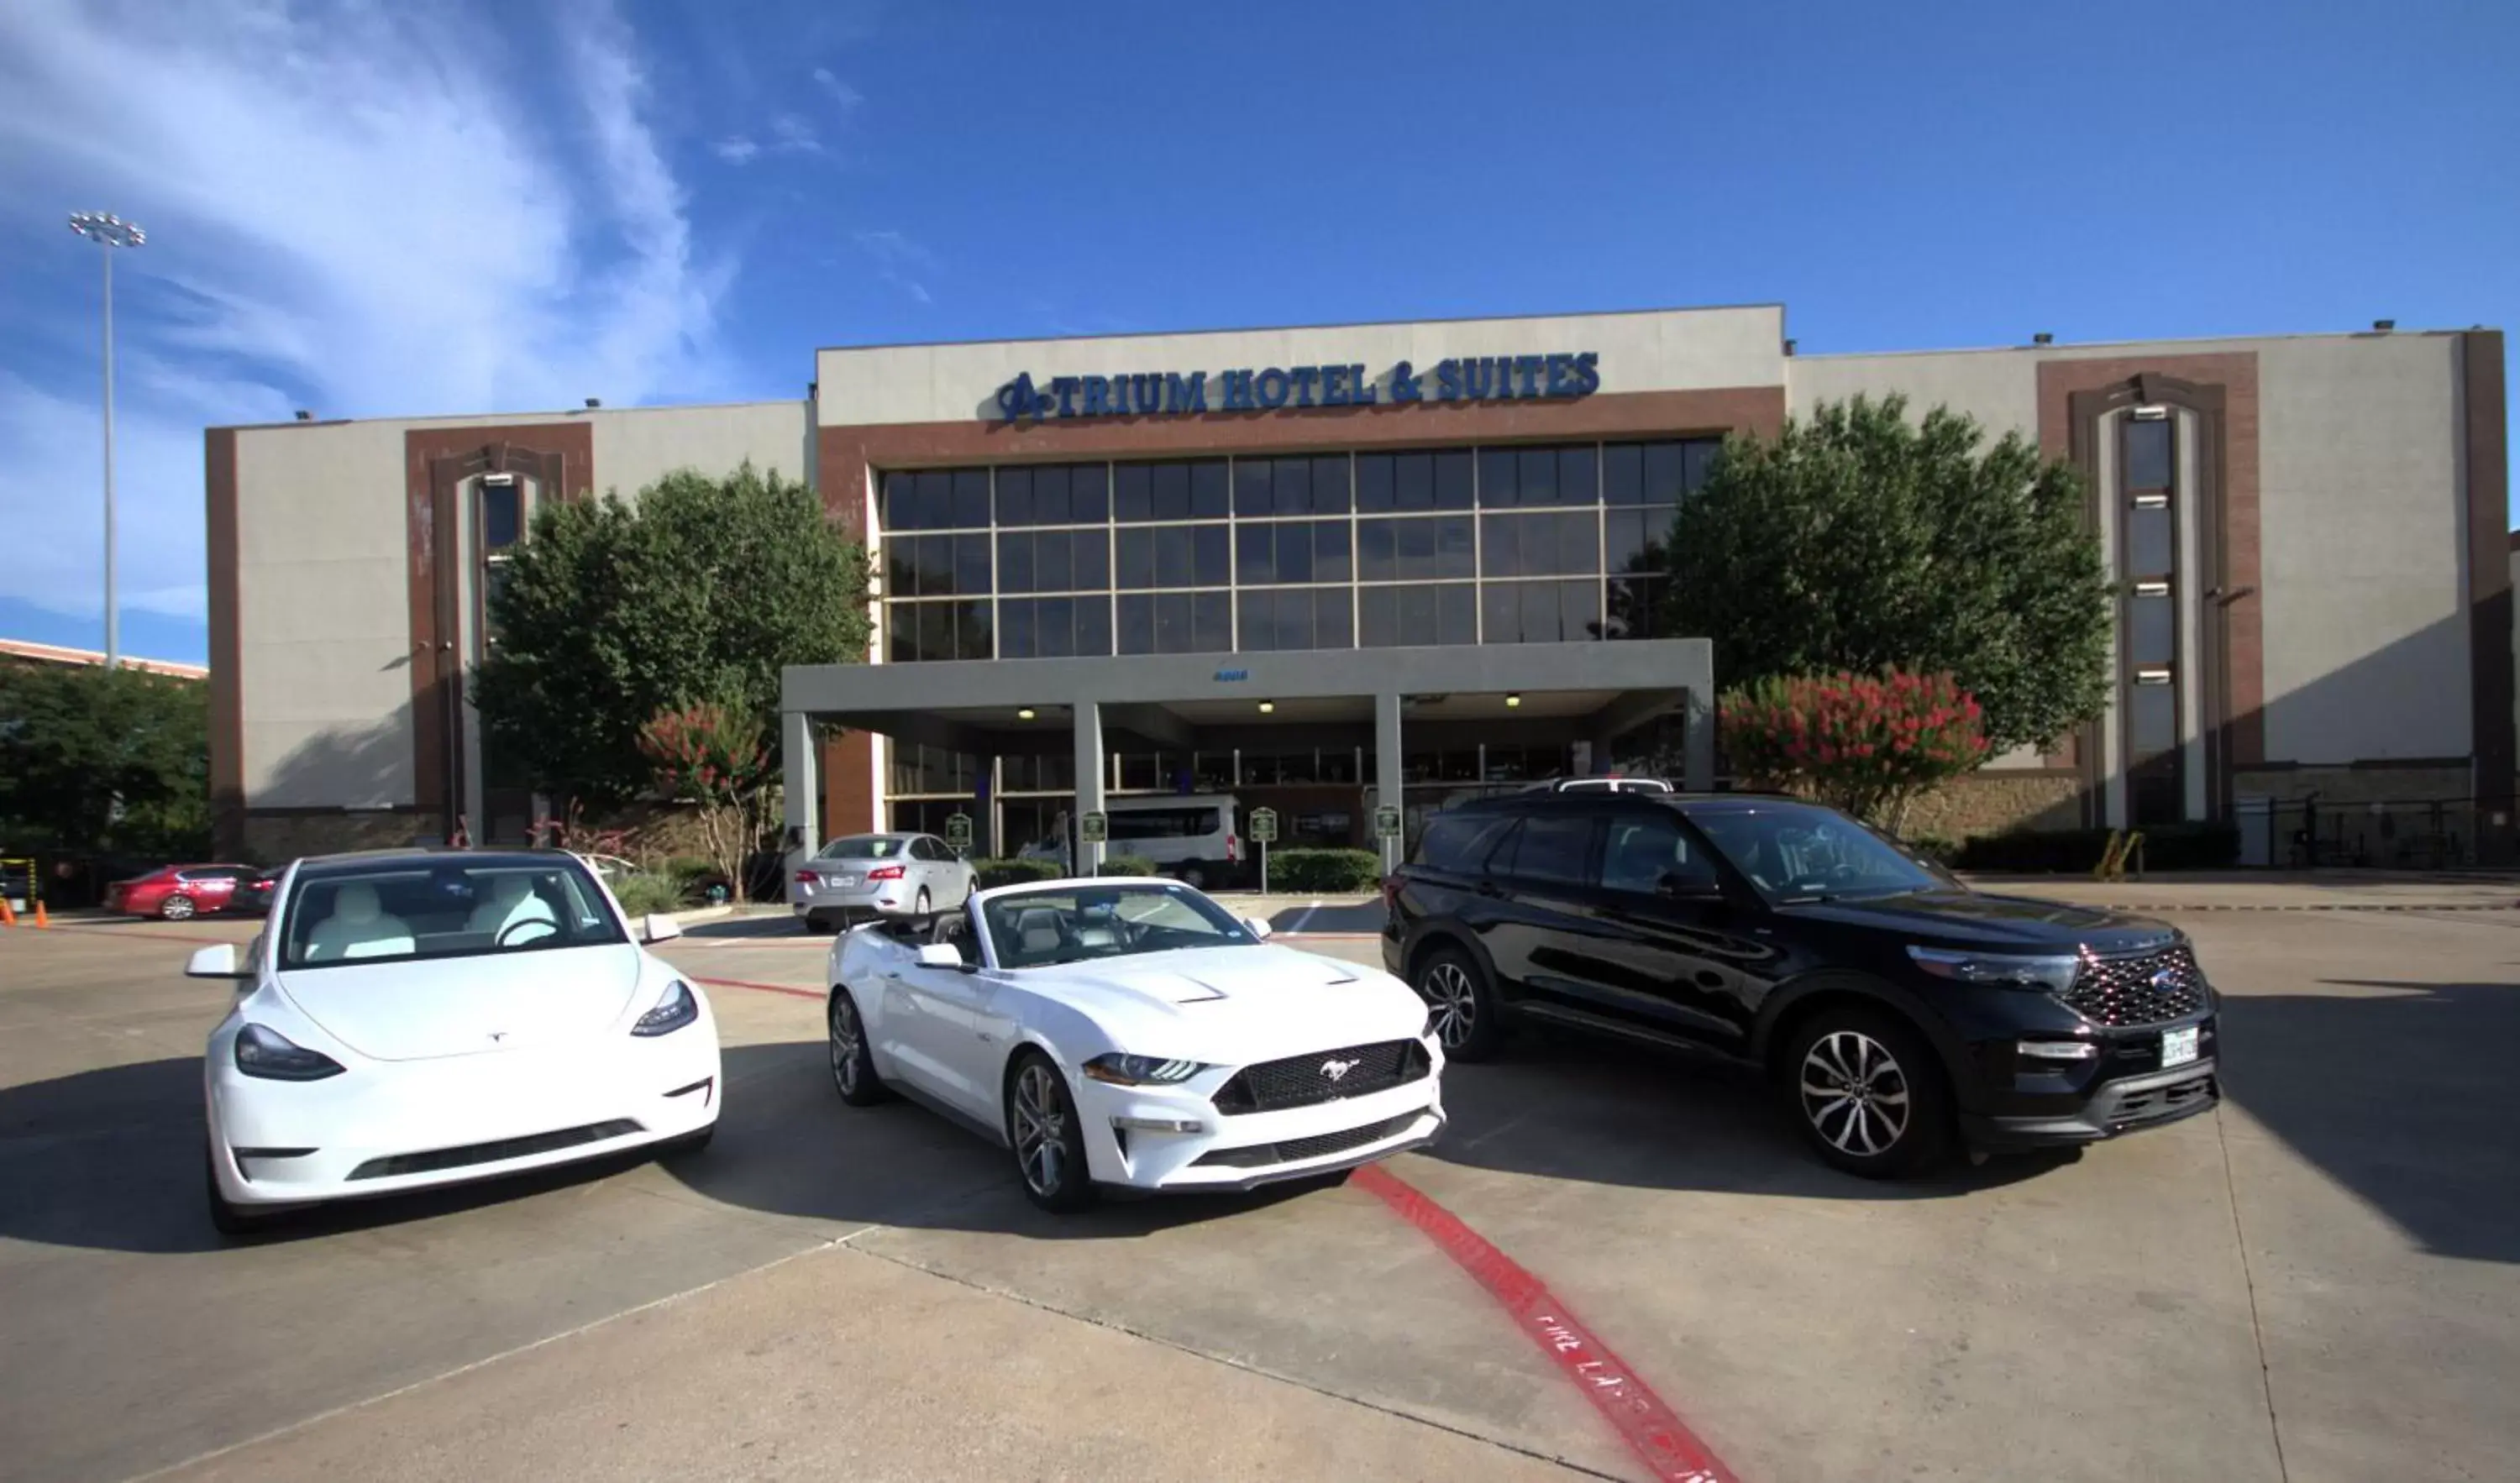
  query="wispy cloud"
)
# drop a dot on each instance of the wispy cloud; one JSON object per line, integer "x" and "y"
{"x": 793, "y": 134}
{"x": 848, "y": 97}
{"x": 900, "y": 261}
{"x": 736, "y": 149}
{"x": 345, "y": 210}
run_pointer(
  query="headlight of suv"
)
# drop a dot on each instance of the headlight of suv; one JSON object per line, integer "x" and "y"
{"x": 1141, "y": 1071}
{"x": 673, "y": 1012}
{"x": 2040, "y": 973}
{"x": 274, "y": 1057}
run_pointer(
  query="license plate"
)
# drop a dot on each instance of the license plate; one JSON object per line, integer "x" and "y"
{"x": 839, "y": 880}
{"x": 2178, "y": 1046}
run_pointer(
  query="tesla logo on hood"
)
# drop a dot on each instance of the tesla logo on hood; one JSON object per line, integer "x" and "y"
{"x": 498, "y": 1035}
{"x": 1334, "y": 1070}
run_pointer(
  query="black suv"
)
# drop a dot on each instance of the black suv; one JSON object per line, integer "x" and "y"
{"x": 1893, "y": 1006}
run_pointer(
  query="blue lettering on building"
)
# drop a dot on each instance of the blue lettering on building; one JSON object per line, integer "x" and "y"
{"x": 1555, "y": 376}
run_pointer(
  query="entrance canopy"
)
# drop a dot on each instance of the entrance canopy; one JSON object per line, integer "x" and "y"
{"x": 1590, "y": 691}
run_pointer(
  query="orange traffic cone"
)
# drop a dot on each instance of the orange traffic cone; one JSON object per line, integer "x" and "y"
{"x": 8, "y": 914}
{"x": 41, "y": 920}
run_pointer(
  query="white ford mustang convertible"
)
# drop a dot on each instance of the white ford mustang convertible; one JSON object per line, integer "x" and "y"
{"x": 1135, "y": 1034}
{"x": 413, "y": 1018}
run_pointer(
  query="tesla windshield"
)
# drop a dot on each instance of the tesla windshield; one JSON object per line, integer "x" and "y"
{"x": 398, "y": 910}
{"x": 1073, "y": 923}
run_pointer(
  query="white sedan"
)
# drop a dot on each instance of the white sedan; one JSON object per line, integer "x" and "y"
{"x": 414, "y": 1018}
{"x": 861, "y": 876}
{"x": 1133, "y": 1034}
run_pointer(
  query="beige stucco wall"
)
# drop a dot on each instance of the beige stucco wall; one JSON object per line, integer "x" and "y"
{"x": 637, "y": 446}
{"x": 322, "y": 611}
{"x": 1663, "y": 350}
{"x": 1997, "y": 387}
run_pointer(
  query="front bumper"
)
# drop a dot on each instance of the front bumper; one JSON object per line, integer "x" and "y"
{"x": 2114, "y": 1109}
{"x": 383, "y": 1128}
{"x": 1245, "y": 1151}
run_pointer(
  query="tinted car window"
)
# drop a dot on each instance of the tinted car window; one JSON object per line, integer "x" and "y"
{"x": 1459, "y": 841}
{"x": 1801, "y": 852}
{"x": 1551, "y": 847}
{"x": 1641, "y": 851}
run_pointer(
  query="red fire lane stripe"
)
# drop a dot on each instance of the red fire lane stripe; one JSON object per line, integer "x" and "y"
{"x": 766, "y": 988}
{"x": 1653, "y": 1430}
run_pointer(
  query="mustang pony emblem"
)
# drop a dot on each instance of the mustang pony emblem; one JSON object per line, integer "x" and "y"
{"x": 1335, "y": 1069}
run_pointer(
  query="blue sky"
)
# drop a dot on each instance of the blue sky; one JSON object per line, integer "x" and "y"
{"x": 375, "y": 208}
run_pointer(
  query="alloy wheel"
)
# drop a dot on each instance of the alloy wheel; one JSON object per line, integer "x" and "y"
{"x": 177, "y": 907}
{"x": 1041, "y": 1130}
{"x": 1452, "y": 1004}
{"x": 1855, "y": 1093}
{"x": 847, "y": 1037}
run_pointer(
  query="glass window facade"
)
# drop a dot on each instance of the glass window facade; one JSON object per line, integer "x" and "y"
{"x": 1501, "y": 545}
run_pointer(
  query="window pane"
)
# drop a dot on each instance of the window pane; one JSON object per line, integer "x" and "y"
{"x": 1502, "y": 607}
{"x": 1623, "y": 538}
{"x": 1212, "y": 622}
{"x": 2148, "y": 541}
{"x": 1376, "y": 550}
{"x": 1540, "y": 613}
{"x": 1330, "y": 485}
{"x": 1294, "y": 628}
{"x": 1089, "y": 552}
{"x": 1251, "y": 487}
{"x": 1014, "y": 630}
{"x": 1623, "y": 475}
{"x": 1703, "y": 455}
{"x": 1456, "y": 613}
{"x": 935, "y": 500}
{"x": 1578, "y": 611}
{"x": 1413, "y": 481}
{"x": 936, "y": 629}
{"x": 1416, "y": 549}
{"x": 502, "y": 514}
{"x": 1496, "y": 482}
{"x": 1666, "y": 473}
{"x": 971, "y": 564}
{"x": 1172, "y": 557}
{"x": 2147, "y": 454}
{"x": 1632, "y": 603}
{"x": 1171, "y": 491}
{"x": 1330, "y": 551}
{"x": 2151, "y": 637}
{"x": 1132, "y": 494}
{"x": 1209, "y": 498}
{"x": 1500, "y": 546}
{"x": 1211, "y": 556}
{"x": 901, "y": 633}
{"x": 1552, "y": 847}
{"x": 1296, "y": 551}
{"x": 1015, "y": 562}
{"x": 1454, "y": 489}
{"x": 1331, "y": 617}
{"x": 2153, "y": 719}
{"x": 1172, "y": 623}
{"x": 1373, "y": 493}
{"x": 1053, "y": 568}
{"x": 1054, "y": 627}
{"x": 901, "y": 568}
{"x": 1420, "y": 623}
{"x": 1579, "y": 543}
{"x": 936, "y": 566}
{"x": 1089, "y": 493}
{"x": 975, "y": 641}
{"x": 1255, "y": 554}
{"x": 971, "y": 498}
{"x": 1137, "y": 625}
{"x": 1456, "y": 547}
{"x": 1579, "y": 474}
{"x": 1377, "y": 610}
{"x": 1137, "y": 558}
{"x": 1093, "y": 625}
{"x": 1539, "y": 475}
{"x": 1015, "y": 496}
{"x": 899, "y": 497}
{"x": 1259, "y": 617}
{"x": 1291, "y": 480}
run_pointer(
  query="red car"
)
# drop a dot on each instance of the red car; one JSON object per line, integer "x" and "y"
{"x": 180, "y": 892}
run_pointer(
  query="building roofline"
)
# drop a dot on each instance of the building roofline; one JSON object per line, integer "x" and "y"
{"x": 558, "y": 415}
{"x": 2126, "y": 344}
{"x": 62, "y": 654}
{"x": 1350, "y": 324}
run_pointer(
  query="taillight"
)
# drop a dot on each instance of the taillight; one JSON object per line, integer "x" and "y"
{"x": 808, "y": 880}
{"x": 1391, "y": 893}
{"x": 886, "y": 872}
{"x": 1234, "y": 849}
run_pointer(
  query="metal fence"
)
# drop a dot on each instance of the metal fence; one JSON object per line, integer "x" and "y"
{"x": 2381, "y": 833}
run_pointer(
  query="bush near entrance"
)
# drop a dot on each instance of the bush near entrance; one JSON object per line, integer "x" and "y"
{"x": 1341, "y": 871}
{"x": 996, "y": 873}
{"x": 642, "y": 893}
{"x": 1126, "y": 865}
{"x": 1866, "y": 744}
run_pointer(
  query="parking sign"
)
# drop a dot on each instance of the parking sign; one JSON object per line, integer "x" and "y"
{"x": 958, "y": 832}
{"x": 1264, "y": 825}
{"x": 1093, "y": 828}
{"x": 1387, "y": 823}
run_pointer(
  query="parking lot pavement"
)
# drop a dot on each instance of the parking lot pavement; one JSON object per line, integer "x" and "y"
{"x": 2331, "y": 1263}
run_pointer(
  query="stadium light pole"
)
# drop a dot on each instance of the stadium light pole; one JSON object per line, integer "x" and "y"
{"x": 109, "y": 232}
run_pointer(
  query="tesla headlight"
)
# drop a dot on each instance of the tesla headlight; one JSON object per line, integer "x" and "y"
{"x": 1141, "y": 1071}
{"x": 274, "y": 1057}
{"x": 2038, "y": 973}
{"x": 673, "y": 1012}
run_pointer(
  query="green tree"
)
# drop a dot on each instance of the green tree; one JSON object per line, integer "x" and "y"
{"x": 612, "y": 611}
{"x": 99, "y": 759}
{"x": 1859, "y": 540}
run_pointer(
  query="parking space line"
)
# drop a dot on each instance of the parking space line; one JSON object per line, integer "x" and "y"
{"x": 1653, "y": 1430}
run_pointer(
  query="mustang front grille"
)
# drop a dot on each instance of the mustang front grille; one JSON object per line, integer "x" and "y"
{"x": 2142, "y": 989}
{"x": 435, "y": 1159}
{"x": 1303, "y": 1081}
{"x": 1295, "y": 1150}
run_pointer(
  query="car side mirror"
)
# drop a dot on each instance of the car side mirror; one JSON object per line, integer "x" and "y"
{"x": 218, "y": 961}
{"x": 941, "y": 955}
{"x": 1259, "y": 929}
{"x": 656, "y": 926}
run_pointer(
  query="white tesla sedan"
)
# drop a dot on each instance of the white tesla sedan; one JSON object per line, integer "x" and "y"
{"x": 1132, "y": 1033}
{"x": 410, "y": 1018}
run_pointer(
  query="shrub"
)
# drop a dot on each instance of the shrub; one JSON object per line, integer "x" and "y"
{"x": 1940, "y": 849}
{"x": 997, "y": 872}
{"x": 1866, "y": 744}
{"x": 1324, "y": 870}
{"x": 647, "y": 892}
{"x": 2166, "y": 847}
{"x": 1126, "y": 865}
